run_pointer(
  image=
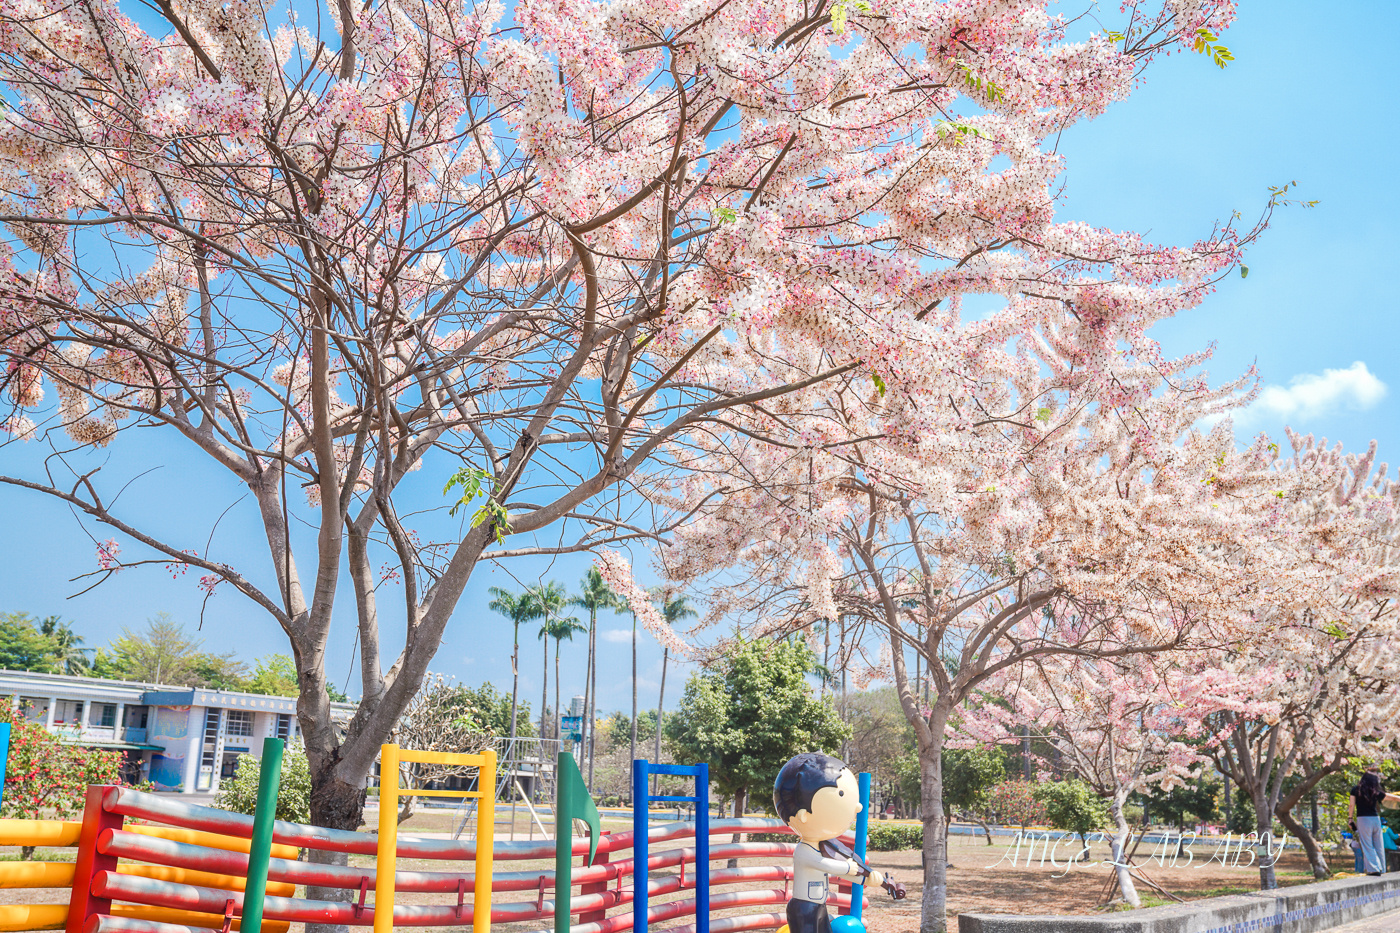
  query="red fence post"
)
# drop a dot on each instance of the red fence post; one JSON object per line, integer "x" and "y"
{"x": 595, "y": 887}
{"x": 82, "y": 904}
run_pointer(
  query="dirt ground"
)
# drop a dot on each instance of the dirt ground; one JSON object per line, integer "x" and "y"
{"x": 976, "y": 883}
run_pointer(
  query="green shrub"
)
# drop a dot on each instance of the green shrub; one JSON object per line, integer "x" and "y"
{"x": 890, "y": 837}
{"x": 771, "y": 837}
{"x": 240, "y": 792}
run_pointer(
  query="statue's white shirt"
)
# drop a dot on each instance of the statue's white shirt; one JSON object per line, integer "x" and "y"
{"x": 809, "y": 872}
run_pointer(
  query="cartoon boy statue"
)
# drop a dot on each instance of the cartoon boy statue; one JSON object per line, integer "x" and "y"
{"x": 818, "y": 797}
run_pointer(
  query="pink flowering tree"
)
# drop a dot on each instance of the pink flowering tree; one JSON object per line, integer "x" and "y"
{"x": 1121, "y": 724}
{"x": 1335, "y": 692}
{"x": 1108, "y": 530}
{"x": 352, "y": 252}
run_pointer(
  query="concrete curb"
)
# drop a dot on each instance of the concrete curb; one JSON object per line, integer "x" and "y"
{"x": 1301, "y": 909}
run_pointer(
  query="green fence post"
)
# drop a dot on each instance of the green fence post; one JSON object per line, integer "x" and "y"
{"x": 269, "y": 779}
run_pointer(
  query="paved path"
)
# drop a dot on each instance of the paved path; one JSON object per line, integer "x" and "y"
{"x": 1388, "y": 922}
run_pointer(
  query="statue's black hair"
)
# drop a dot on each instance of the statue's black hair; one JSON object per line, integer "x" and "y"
{"x": 802, "y": 777}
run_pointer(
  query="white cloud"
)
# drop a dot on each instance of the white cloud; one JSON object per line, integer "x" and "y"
{"x": 1310, "y": 396}
{"x": 618, "y": 636}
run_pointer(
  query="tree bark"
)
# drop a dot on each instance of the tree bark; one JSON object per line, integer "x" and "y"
{"x": 741, "y": 797}
{"x": 934, "y": 908}
{"x": 1264, "y": 826}
{"x": 1121, "y": 833}
{"x": 335, "y": 805}
{"x": 1316, "y": 859}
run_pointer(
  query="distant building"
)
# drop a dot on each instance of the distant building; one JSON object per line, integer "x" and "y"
{"x": 181, "y": 739}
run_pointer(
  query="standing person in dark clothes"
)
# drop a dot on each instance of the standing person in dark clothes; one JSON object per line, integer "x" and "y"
{"x": 1364, "y": 808}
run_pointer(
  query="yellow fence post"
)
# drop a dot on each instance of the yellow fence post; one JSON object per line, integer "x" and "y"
{"x": 485, "y": 841}
{"x": 387, "y": 856}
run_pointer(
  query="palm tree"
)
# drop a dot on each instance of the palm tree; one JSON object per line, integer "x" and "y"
{"x": 594, "y": 594}
{"x": 560, "y": 629}
{"x": 673, "y": 610}
{"x": 67, "y": 655}
{"x": 518, "y": 607}
{"x": 549, "y": 600}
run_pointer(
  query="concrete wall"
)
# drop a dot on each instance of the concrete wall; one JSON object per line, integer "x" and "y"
{"x": 1301, "y": 909}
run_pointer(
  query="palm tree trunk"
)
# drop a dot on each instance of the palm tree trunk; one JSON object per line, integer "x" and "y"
{"x": 634, "y": 691}
{"x": 558, "y": 710}
{"x": 591, "y": 690}
{"x": 514, "y": 689}
{"x": 660, "y": 705}
{"x": 544, "y": 697}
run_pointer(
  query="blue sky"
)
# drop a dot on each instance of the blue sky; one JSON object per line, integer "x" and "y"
{"x": 1311, "y": 97}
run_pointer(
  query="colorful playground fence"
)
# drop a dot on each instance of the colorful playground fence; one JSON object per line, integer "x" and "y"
{"x": 189, "y": 872}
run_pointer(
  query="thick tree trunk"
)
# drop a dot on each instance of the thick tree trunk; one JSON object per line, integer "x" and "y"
{"x": 1121, "y": 833}
{"x": 1264, "y": 825}
{"x": 335, "y": 805}
{"x": 741, "y": 797}
{"x": 934, "y": 909}
{"x": 1315, "y": 857}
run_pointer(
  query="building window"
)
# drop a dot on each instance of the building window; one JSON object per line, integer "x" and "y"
{"x": 284, "y": 726}
{"x": 106, "y": 715}
{"x": 240, "y": 722}
{"x": 207, "y": 753}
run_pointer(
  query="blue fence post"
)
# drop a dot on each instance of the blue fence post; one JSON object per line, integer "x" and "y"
{"x": 641, "y": 806}
{"x": 862, "y": 834}
{"x": 4, "y": 756}
{"x": 702, "y": 848}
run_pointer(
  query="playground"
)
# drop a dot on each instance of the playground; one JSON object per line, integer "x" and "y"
{"x": 142, "y": 863}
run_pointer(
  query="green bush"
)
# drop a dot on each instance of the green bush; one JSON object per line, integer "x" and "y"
{"x": 771, "y": 837}
{"x": 240, "y": 792}
{"x": 890, "y": 837}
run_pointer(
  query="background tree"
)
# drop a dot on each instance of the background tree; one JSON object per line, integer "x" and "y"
{"x": 748, "y": 712}
{"x": 1074, "y": 806}
{"x": 1189, "y": 802}
{"x": 68, "y": 654}
{"x": 674, "y": 609}
{"x": 561, "y": 629}
{"x": 1336, "y": 680}
{"x": 547, "y": 601}
{"x": 274, "y": 675}
{"x": 594, "y": 594}
{"x": 240, "y": 792}
{"x": 969, "y": 774}
{"x": 1120, "y": 724}
{"x": 444, "y": 717}
{"x": 165, "y": 654}
{"x": 518, "y": 607}
{"x": 1014, "y": 802}
{"x": 880, "y": 743}
{"x": 23, "y": 646}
